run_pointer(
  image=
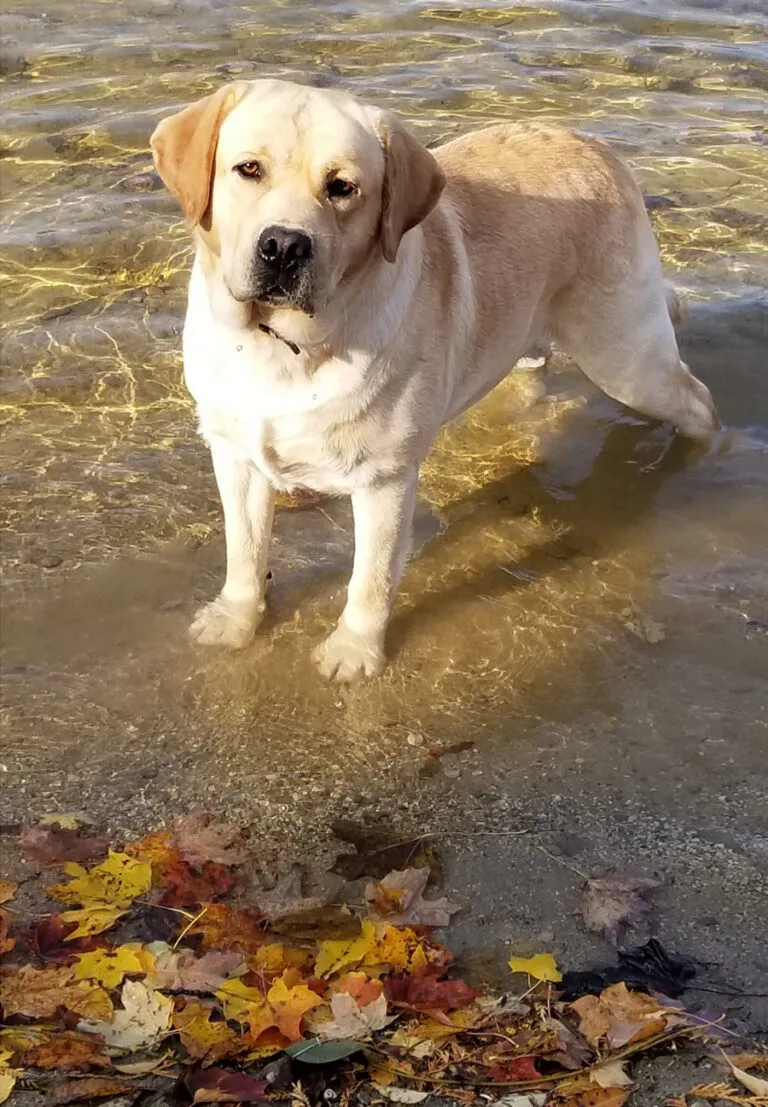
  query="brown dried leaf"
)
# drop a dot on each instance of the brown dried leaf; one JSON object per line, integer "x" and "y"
{"x": 53, "y": 845}
{"x": 206, "y": 973}
{"x": 39, "y": 993}
{"x": 199, "y": 839}
{"x": 93, "y": 1087}
{"x": 286, "y": 897}
{"x": 7, "y": 890}
{"x": 381, "y": 851}
{"x": 620, "y": 1016}
{"x": 64, "y": 1051}
{"x": 399, "y": 899}
{"x": 611, "y": 905}
{"x": 755, "y": 1084}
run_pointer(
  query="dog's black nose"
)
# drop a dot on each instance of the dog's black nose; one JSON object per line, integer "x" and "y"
{"x": 284, "y": 249}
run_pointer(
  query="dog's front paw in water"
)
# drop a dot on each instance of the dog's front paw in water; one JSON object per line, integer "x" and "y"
{"x": 226, "y": 623}
{"x": 346, "y": 656}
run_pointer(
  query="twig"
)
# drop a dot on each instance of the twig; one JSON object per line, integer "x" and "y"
{"x": 189, "y": 925}
{"x": 560, "y": 861}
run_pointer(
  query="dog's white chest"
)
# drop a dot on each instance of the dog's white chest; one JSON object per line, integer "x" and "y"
{"x": 292, "y": 425}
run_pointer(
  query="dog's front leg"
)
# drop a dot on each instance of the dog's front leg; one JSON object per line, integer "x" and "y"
{"x": 383, "y": 515}
{"x": 248, "y": 500}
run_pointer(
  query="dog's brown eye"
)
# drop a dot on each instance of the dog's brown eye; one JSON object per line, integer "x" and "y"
{"x": 249, "y": 169}
{"x": 339, "y": 189}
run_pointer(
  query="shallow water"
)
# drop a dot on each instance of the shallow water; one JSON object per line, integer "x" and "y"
{"x": 554, "y": 524}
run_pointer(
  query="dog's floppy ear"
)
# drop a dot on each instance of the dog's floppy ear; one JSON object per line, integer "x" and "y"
{"x": 413, "y": 182}
{"x": 184, "y": 147}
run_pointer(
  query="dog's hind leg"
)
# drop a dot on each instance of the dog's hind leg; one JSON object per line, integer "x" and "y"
{"x": 624, "y": 341}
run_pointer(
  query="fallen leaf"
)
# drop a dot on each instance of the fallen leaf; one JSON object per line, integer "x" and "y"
{"x": 403, "y": 1095}
{"x": 110, "y": 966}
{"x": 244, "y": 1003}
{"x": 290, "y": 1004}
{"x": 67, "y": 820}
{"x": 93, "y": 1087}
{"x": 286, "y": 898}
{"x": 399, "y": 899}
{"x": 299, "y": 499}
{"x": 145, "y": 1015}
{"x": 755, "y": 1084}
{"x": 612, "y": 905}
{"x": 611, "y": 1074}
{"x": 274, "y": 958}
{"x": 360, "y": 986}
{"x": 203, "y": 1037}
{"x": 90, "y": 920}
{"x": 49, "y": 940}
{"x": 220, "y": 1086}
{"x": 115, "y": 883}
{"x": 199, "y": 839}
{"x": 157, "y": 849}
{"x": 335, "y": 955}
{"x": 54, "y": 844}
{"x": 620, "y": 1016}
{"x": 750, "y": 1060}
{"x": 6, "y": 943}
{"x": 514, "y": 1068}
{"x": 317, "y": 1052}
{"x": 8, "y": 1076}
{"x": 381, "y": 851}
{"x": 185, "y": 887}
{"x": 206, "y": 973}
{"x": 318, "y": 923}
{"x": 63, "y": 1050}
{"x": 350, "y": 1019}
{"x": 222, "y": 927}
{"x": 39, "y": 993}
{"x": 143, "y": 1068}
{"x": 425, "y": 992}
{"x": 542, "y": 966}
{"x": 598, "y": 1097}
{"x": 7, "y": 890}
{"x": 533, "y": 1099}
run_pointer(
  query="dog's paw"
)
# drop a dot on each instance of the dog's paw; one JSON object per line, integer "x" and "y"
{"x": 224, "y": 623}
{"x": 346, "y": 656}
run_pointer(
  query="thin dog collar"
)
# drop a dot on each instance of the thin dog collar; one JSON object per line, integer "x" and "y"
{"x": 273, "y": 334}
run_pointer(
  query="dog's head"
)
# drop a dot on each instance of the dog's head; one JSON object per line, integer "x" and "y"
{"x": 294, "y": 188}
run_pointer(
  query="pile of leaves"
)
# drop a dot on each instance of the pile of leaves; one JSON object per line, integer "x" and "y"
{"x": 166, "y": 977}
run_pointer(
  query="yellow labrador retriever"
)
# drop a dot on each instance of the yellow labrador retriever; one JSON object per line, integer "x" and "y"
{"x": 352, "y": 291}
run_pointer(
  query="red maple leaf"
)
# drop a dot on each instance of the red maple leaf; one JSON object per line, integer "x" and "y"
{"x": 46, "y": 939}
{"x": 185, "y": 887}
{"x": 516, "y": 1068}
{"x": 424, "y": 991}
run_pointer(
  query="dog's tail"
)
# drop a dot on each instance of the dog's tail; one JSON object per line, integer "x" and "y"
{"x": 676, "y": 309}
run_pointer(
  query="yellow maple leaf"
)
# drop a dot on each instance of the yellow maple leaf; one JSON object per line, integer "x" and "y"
{"x": 274, "y": 958}
{"x": 116, "y": 882}
{"x": 542, "y": 966}
{"x": 110, "y": 966}
{"x": 337, "y": 954}
{"x": 8, "y": 1075}
{"x": 395, "y": 947}
{"x": 203, "y": 1039}
{"x": 290, "y": 1005}
{"x": 242, "y": 1004}
{"x": 90, "y": 920}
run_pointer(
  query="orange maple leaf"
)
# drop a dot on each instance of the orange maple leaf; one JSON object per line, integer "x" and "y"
{"x": 223, "y": 927}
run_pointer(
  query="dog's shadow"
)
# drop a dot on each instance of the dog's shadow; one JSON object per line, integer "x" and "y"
{"x": 590, "y": 519}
